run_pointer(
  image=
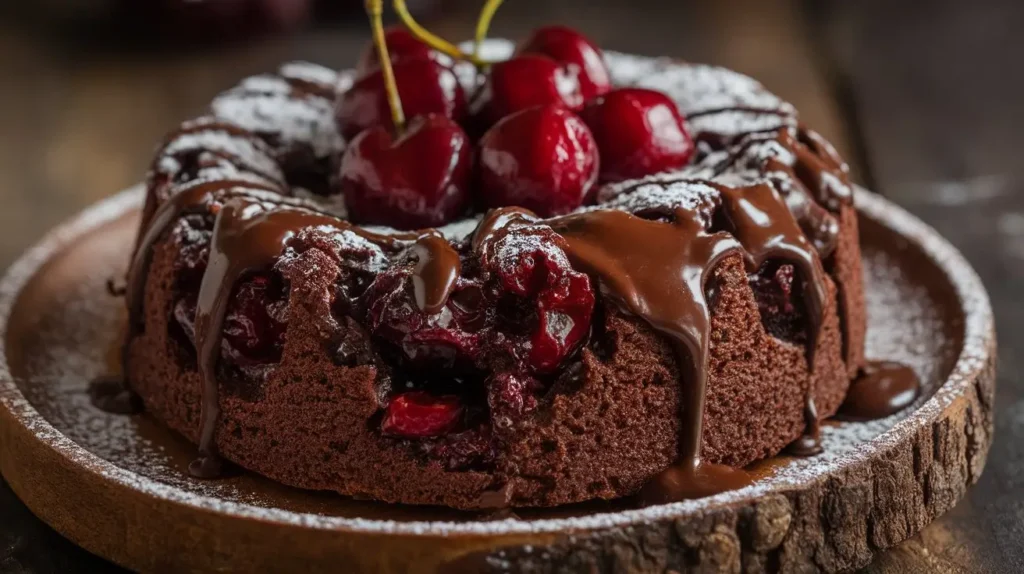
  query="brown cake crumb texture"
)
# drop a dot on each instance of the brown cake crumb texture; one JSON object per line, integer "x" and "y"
{"x": 607, "y": 421}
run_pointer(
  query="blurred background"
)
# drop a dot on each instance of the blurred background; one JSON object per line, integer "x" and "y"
{"x": 924, "y": 98}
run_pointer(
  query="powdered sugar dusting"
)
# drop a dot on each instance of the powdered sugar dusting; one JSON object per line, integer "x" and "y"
{"x": 247, "y": 153}
{"x": 904, "y": 326}
{"x": 278, "y": 114}
{"x": 310, "y": 72}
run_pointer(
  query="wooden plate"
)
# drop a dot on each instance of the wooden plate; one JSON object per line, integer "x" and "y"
{"x": 118, "y": 487}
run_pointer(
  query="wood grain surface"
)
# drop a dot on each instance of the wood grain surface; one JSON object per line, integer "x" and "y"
{"x": 926, "y": 102}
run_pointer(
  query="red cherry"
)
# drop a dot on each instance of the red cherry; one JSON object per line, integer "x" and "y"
{"x": 418, "y": 414}
{"x": 425, "y": 87}
{"x": 566, "y": 45}
{"x": 419, "y": 180}
{"x": 402, "y": 45}
{"x": 524, "y": 82}
{"x": 639, "y": 132}
{"x": 542, "y": 158}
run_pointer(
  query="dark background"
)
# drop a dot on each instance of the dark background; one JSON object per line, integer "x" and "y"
{"x": 926, "y": 100}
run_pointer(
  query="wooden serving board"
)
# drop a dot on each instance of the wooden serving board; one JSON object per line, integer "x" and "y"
{"x": 118, "y": 487}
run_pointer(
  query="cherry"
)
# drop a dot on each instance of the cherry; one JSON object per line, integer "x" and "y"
{"x": 255, "y": 323}
{"x": 418, "y": 414}
{"x": 566, "y": 45}
{"x": 254, "y": 326}
{"x": 543, "y": 158}
{"x": 530, "y": 265}
{"x": 420, "y": 179}
{"x": 424, "y": 86}
{"x": 775, "y": 291}
{"x": 639, "y": 132}
{"x": 429, "y": 341}
{"x": 402, "y": 45}
{"x": 524, "y": 82}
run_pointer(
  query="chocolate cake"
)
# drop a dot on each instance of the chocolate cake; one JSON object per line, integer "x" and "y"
{"x": 684, "y": 321}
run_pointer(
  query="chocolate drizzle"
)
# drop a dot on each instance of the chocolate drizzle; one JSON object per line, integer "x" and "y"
{"x": 251, "y": 231}
{"x": 436, "y": 271}
{"x": 658, "y": 270}
{"x": 883, "y": 388}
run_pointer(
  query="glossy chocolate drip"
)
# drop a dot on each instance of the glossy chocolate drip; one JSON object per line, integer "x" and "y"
{"x": 809, "y": 443}
{"x": 436, "y": 271}
{"x": 768, "y": 230}
{"x": 814, "y": 180}
{"x": 658, "y": 270}
{"x": 249, "y": 234}
{"x": 882, "y": 389}
{"x": 189, "y": 197}
{"x": 818, "y": 167}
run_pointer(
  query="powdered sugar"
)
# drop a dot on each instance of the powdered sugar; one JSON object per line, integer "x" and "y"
{"x": 904, "y": 319}
{"x": 247, "y": 153}
{"x": 267, "y": 106}
{"x": 312, "y": 73}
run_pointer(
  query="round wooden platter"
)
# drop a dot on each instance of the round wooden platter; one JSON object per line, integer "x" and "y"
{"x": 117, "y": 485}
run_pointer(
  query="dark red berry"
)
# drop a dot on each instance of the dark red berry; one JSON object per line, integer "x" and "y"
{"x": 639, "y": 132}
{"x": 524, "y": 82}
{"x": 775, "y": 291}
{"x": 566, "y": 45}
{"x": 418, "y": 414}
{"x": 425, "y": 87}
{"x": 256, "y": 321}
{"x": 402, "y": 45}
{"x": 529, "y": 263}
{"x": 542, "y": 158}
{"x": 436, "y": 341}
{"x": 419, "y": 180}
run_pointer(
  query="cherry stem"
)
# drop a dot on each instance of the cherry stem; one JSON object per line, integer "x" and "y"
{"x": 436, "y": 42}
{"x": 375, "y": 10}
{"x": 484, "y": 24}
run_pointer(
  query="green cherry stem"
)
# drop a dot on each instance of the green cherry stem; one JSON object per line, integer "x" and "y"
{"x": 484, "y": 24}
{"x": 375, "y": 10}
{"x": 436, "y": 42}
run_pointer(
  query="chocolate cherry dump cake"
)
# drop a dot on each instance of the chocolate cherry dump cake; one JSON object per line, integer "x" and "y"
{"x": 528, "y": 276}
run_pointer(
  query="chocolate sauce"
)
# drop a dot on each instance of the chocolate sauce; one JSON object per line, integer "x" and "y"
{"x": 883, "y": 388}
{"x": 813, "y": 180}
{"x": 436, "y": 271}
{"x": 251, "y": 231}
{"x": 658, "y": 271}
{"x": 809, "y": 443}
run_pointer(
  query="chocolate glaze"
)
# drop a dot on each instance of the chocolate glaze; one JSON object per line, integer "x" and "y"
{"x": 436, "y": 271}
{"x": 809, "y": 443}
{"x": 883, "y": 388}
{"x": 249, "y": 234}
{"x": 814, "y": 180}
{"x": 658, "y": 271}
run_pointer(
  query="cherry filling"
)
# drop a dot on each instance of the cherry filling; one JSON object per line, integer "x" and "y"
{"x": 418, "y": 414}
{"x": 778, "y": 293}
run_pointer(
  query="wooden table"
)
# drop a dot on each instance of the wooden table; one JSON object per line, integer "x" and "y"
{"x": 926, "y": 104}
